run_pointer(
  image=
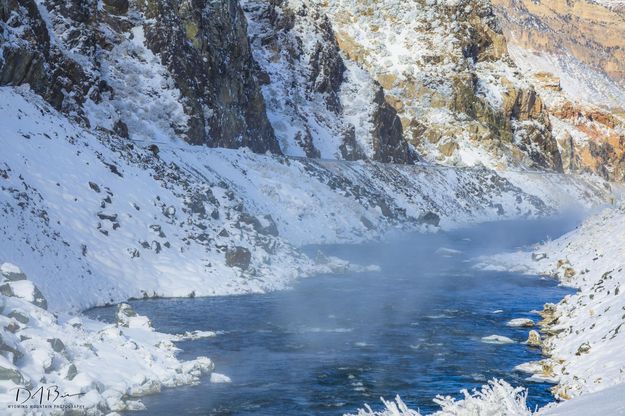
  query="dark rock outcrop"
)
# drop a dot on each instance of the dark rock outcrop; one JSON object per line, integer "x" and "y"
{"x": 205, "y": 47}
{"x": 238, "y": 257}
{"x": 28, "y": 57}
{"x": 389, "y": 144}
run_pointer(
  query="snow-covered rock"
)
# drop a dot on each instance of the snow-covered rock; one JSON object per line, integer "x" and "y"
{"x": 520, "y": 322}
{"x": 497, "y": 339}
{"x": 98, "y": 366}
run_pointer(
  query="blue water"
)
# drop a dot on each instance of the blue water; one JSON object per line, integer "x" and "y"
{"x": 333, "y": 343}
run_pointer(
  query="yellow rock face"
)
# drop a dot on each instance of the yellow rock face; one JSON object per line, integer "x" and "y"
{"x": 591, "y": 140}
{"x": 591, "y": 137}
{"x": 588, "y": 31}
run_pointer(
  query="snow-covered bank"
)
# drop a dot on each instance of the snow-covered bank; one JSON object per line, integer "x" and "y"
{"x": 584, "y": 334}
{"x": 100, "y": 367}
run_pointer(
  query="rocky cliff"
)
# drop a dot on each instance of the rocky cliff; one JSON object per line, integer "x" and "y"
{"x": 160, "y": 70}
{"x": 321, "y": 104}
{"x": 574, "y": 53}
{"x": 588, "y": 31}
{"x": 444, "y": 68}
{"x": 331, "y": 80}
{"x": 151, "y": 70}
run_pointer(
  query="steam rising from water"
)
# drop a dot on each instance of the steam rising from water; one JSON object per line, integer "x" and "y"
{"x": 414, "y": 328}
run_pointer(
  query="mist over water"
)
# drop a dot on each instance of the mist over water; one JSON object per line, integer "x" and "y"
{"x": 333, "y": 343}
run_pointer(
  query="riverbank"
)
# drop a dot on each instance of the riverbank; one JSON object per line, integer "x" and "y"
{"x": 55, "y": 365}
{"x": 68, "y": 350}
{"x": 584, "y": 334}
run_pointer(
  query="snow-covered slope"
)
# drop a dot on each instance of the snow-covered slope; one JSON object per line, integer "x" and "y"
{"x": 584, "y": 341}
{"x": 113, "y": 220}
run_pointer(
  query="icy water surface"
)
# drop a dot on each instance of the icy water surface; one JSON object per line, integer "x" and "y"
{"x": 336, "y": 342}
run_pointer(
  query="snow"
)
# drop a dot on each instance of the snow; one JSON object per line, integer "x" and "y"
{"x": 579, "y": 81}
{"x": 605, "y": 402}
{"x": 303, "y": 121}
{"x": 9, "y": 268}
{"x": 520, "y": 322}
{"x": 137, "y": 76}
{"x": 195, "y": 335}
{"x": 497, "y": 339}
{"x": 220, "y": 378}
{"x": 496, "y": 398}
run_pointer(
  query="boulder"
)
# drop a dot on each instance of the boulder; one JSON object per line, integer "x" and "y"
{"x": 11, "y": 273}
{"x": 238, "y": 257}
{"x": 117, "y": 7}
{"x": 430, "y": 218}
{"x": 72, "y": 372}
{"x": 19, "y": 317}
{"x": 533, "y": 339}
{"x": 57, "y": 345}
{"x": 583, "y": 349}
{"x": 10, "y": 348}
{"x": 6, "y": 290}
{"x": 11, "y": 374}
{"x": 264, "y": 225}
{"x": 127, "y": 317}
{"x": 521, "y": 322}
{"x": 26, "y": 290}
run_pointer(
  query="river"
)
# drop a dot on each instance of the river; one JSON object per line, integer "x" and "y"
{"x": 335, "y": 342}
